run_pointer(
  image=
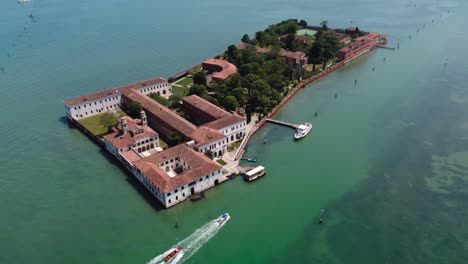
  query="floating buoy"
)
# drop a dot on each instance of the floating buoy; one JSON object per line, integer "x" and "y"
{"x": 355, "y": 81}
{"x": 176, "y": 224}
{"x": 316, "y": 114}
{"x": 373, "y": 68}
{"x": 336, "y": 95}
{"x": 320, "y": 221}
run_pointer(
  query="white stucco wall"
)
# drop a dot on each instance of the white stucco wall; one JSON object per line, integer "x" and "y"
{"x": 91, "y": 108}
{"x": 164, "y": 89}
{"x": 233, "y": 129}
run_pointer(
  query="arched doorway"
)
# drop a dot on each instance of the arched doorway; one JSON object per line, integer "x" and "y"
{"x": 220, "y": 153}
{"x": 216, "y": 182}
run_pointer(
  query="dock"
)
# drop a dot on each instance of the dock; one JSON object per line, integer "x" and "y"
{"x": 386, "y": 47}
{"x": 282, "y": 123}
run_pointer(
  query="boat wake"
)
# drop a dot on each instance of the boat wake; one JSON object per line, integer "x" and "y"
{"x": 192, "y": 243}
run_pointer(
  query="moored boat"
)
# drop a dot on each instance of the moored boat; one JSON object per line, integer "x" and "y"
{"x": 254, "y": 174}
{"x": 302, "y": 130}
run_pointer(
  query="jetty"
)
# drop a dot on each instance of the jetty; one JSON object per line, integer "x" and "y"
{"x": 386, "y": 47}
{"x": 282, "y": 123}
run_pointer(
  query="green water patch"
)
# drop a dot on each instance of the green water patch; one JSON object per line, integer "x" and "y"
{"x": 449, "y": 173}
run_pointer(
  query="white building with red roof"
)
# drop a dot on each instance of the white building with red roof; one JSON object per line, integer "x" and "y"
{"x": 176, "y": 173}
{"x": 110, "y": 100}
{"x": 132, "y": 139}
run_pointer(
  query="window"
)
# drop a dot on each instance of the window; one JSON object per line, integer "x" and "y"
{"x": 201, "y": 179}
{"x": 169, "y": 193}
{"x": 176, "y": 191}
{"x": 183, "y": 187}
{"x": 169, "y": 200}
{"x": 206, "y": 177}
{"x": 177, "y": 197}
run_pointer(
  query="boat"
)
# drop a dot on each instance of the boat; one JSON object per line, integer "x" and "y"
{"x": 223, "y": 219}
{"x": 172, "y": 254}
{"x": 302, "y": 130}
{"x": 23, "y": 1}
{"x": 252, "y": 159}
{"x": 254, "y": 174}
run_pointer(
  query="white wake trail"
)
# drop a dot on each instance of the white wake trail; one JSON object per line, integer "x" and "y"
{"x": 191, "y": 244}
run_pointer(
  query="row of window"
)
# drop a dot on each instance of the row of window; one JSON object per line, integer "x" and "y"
{"x": 97, "y": 111}
{"x": 100, "y": 101}
{"x": 155, "y": 87}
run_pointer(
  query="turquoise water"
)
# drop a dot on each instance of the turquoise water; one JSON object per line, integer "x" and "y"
{"x": 387, "y": 159}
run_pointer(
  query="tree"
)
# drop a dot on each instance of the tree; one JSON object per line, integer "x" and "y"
{"x": 261, "y": 37}
{"x": 199, "y": 78}
{"x": 158, "y": 98}
{"x": 108, "y": 120}
{"x": 303, "y": 23}
{"x": 174, "y": 101}
{"x": 245, "y": 69}
{"x": 230, "y": 103}
{"x": 199, "y": 90}
{"x": 245, "y": 38}
{"x": 231, "y": 50}
{"x": 134, "y": 109}
{"x": 209, "y": 154}
{"x": 173, "y": 138}
{"x": 324, "y": 25}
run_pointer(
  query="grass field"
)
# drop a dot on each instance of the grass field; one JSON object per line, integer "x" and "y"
{"x": 92, "y": 123}
{"x": 221, "y": 162}
{"x": 162, "y": 144}
{"x": 185, "y": 81}
{"x": 180, "y": 91}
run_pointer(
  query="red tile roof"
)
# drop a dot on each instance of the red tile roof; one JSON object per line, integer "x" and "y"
{"x": 206, "y": 135}
{"x": 102, "y": 94}
{"x": 226, "y": 69}
{"x": 200, "y": 164}
{"x": 130, "y": 155}
{"x": 205, "y": 106}
{"x": 292, "y": 54}
{"x": 92, "y": 97}
{"x": 177, "y": 122}
{"x": 120, "y": 140}
{"x": 225, "y": 121}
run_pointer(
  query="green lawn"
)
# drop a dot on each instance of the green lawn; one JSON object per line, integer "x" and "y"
{"x": 234, "y": 146}
{"x": 185, "y": 81}
{"x": 221, "y": 162}
{"x": 162, "y": 144}
{"x": 92, "y": 124}
{"x": 180, "y": 91}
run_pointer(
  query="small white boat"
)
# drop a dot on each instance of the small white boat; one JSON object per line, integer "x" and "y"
{"x": 23, "y": 1}
{"x": 302, "y": 130}
{"x": 223, "y": 219}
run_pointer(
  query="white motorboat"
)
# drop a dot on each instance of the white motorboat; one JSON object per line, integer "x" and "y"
{"x": 302, "y": 130}
{"x": 223, "y": 219}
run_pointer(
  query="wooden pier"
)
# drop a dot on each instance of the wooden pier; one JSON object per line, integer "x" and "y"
{"x": 386, "y": 47}
{"x": 282, "y": 123}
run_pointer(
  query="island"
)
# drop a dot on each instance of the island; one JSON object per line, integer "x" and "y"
{"x": 182, "y": 136}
